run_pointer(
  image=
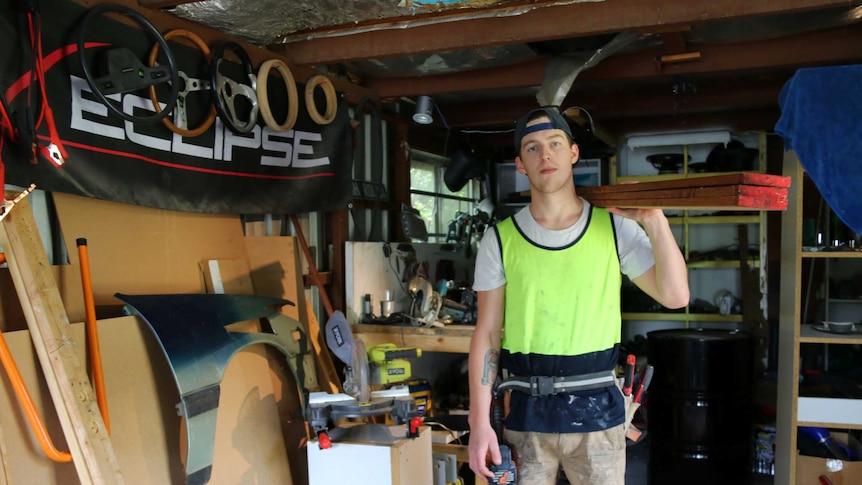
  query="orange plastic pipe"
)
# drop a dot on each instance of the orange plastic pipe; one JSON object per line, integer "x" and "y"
{"x": 93, "y": 333}
{"x": 27, "y": 404}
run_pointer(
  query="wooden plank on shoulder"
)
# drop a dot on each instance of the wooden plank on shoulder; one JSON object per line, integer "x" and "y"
{"x": 691, "y": 192}
{"x": 83, "y": 427}
{"x": 717, "y": 203}
{"x": 742, "y": 178}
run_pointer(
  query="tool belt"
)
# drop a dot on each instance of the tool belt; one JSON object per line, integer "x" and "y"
{"x": 549, "y": 385}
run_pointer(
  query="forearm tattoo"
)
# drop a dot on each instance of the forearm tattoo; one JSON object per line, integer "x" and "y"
{"x": 489, "y": 372}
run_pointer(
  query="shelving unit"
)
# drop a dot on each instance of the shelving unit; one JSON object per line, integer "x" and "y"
{"x": 796, "y": 331}
{"x": 695, "y": 229}
{"x": 508, "y": 180}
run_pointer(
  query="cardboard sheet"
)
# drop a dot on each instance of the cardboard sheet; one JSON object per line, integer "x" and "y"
{"x": 141, "y": 250}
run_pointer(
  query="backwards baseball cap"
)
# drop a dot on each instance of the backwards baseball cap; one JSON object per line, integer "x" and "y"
{"x": 557, "y": 121}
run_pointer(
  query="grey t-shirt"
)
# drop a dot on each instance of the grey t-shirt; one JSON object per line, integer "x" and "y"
{"x": 633, "y": 246}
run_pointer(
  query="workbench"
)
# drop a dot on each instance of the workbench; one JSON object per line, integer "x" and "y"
{"x": 451, "y": 338}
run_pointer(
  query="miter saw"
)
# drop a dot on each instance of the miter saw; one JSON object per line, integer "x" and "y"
{"x": 426, "y": 303}
{"x": 358, "y": 399}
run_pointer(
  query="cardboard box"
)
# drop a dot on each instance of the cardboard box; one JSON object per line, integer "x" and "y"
{"x": 810, "y": 468}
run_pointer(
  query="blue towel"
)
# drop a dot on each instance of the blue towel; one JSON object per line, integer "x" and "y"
{"x": 821, "y": 119}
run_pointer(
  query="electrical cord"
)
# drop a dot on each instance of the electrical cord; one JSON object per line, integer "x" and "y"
{"x": 455, "y": 437}
{"x": 6, "y": 125}
{"x": 54, "y": 151}
{"x": 589, "y": 116}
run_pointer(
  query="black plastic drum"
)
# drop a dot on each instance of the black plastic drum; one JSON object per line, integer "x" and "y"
{"x": 700, "y": 407}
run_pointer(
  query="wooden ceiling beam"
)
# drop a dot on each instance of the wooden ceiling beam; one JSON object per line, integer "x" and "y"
{"x": 617, "y": 105}
{"x": 825, "y": 47}
{"x": 519, "y": 75}
{"x": 762, "y": 119}
{"x": 513, "y": 24}
{"x": 628, "y": 103}
{"x": 163, "y": 3}
{"x": 674, "y": 42}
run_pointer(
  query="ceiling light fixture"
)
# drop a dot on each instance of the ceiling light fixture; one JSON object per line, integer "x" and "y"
{"x": 424, "y": 108}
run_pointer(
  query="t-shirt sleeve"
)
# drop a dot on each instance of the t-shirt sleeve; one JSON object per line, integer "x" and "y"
{"x": 489, "y": 274}
{"x": 635, "y": 249}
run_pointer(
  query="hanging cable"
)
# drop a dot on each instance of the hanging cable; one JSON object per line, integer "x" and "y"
{"x": 54, "y": 151}
{"x": 5, "y": 126}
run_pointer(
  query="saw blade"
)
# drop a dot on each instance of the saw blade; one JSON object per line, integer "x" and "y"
{"x": 361, "y": 377}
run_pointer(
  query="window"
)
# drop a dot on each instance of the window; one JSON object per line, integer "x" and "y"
{"x": 429, "y": 195}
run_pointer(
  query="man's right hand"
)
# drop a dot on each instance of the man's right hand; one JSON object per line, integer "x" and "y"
{"x": 483, "y": 441}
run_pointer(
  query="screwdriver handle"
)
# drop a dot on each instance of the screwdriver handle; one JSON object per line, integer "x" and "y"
{"x": 629, "y": 375}
{"x": 644, "y": 383}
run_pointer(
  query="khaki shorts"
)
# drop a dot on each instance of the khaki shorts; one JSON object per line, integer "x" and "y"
{"x": 597, "y": 458}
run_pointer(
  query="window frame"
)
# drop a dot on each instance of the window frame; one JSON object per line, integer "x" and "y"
{"x": 438, "y": 229}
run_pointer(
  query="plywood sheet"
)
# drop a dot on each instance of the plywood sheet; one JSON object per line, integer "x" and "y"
{"x": 142, "y": 250}
{"x": 273, "y": 262}
{"x": 227, "y": 276}
{"x": 145, "y": 427}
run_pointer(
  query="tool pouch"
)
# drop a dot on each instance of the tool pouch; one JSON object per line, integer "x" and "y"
{"x": 631, "y": 408}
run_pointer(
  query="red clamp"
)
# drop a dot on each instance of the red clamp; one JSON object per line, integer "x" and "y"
{"x": 324, "y": 441}
{"x": 413, "y": 426}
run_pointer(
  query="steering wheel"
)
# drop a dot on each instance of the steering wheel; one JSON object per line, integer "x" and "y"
{"x": 181, "y": 124}
{"x": 331, "y": 100}
{"x": 227, "y": 90}
{"x": 126, "y": 72}
{"x": 263, "y": 97}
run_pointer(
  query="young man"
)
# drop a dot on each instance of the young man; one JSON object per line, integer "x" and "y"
{"x": 548, "y": 284}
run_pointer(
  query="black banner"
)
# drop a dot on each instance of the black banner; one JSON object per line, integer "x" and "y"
{"x": 305, "y": 169}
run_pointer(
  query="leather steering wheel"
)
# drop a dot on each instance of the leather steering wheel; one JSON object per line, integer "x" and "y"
{"x": 126, "y": 73}
{"x": 226, "y": 90}
{"x": 181, "y": 124}
{"x": 263, "y": 97}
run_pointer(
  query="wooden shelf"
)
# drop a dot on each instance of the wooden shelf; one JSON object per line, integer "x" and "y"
{"x": 721, "y": 264}
{"x": 808, "y": 335}
{"x": 669, "y": 176}
{"x": 795, "y": 410}
{"x": 452, "y": 338}
{"x": 682, "y": 317}
{"x": 831, "y": 254}
{"x": 735, "y": 219}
